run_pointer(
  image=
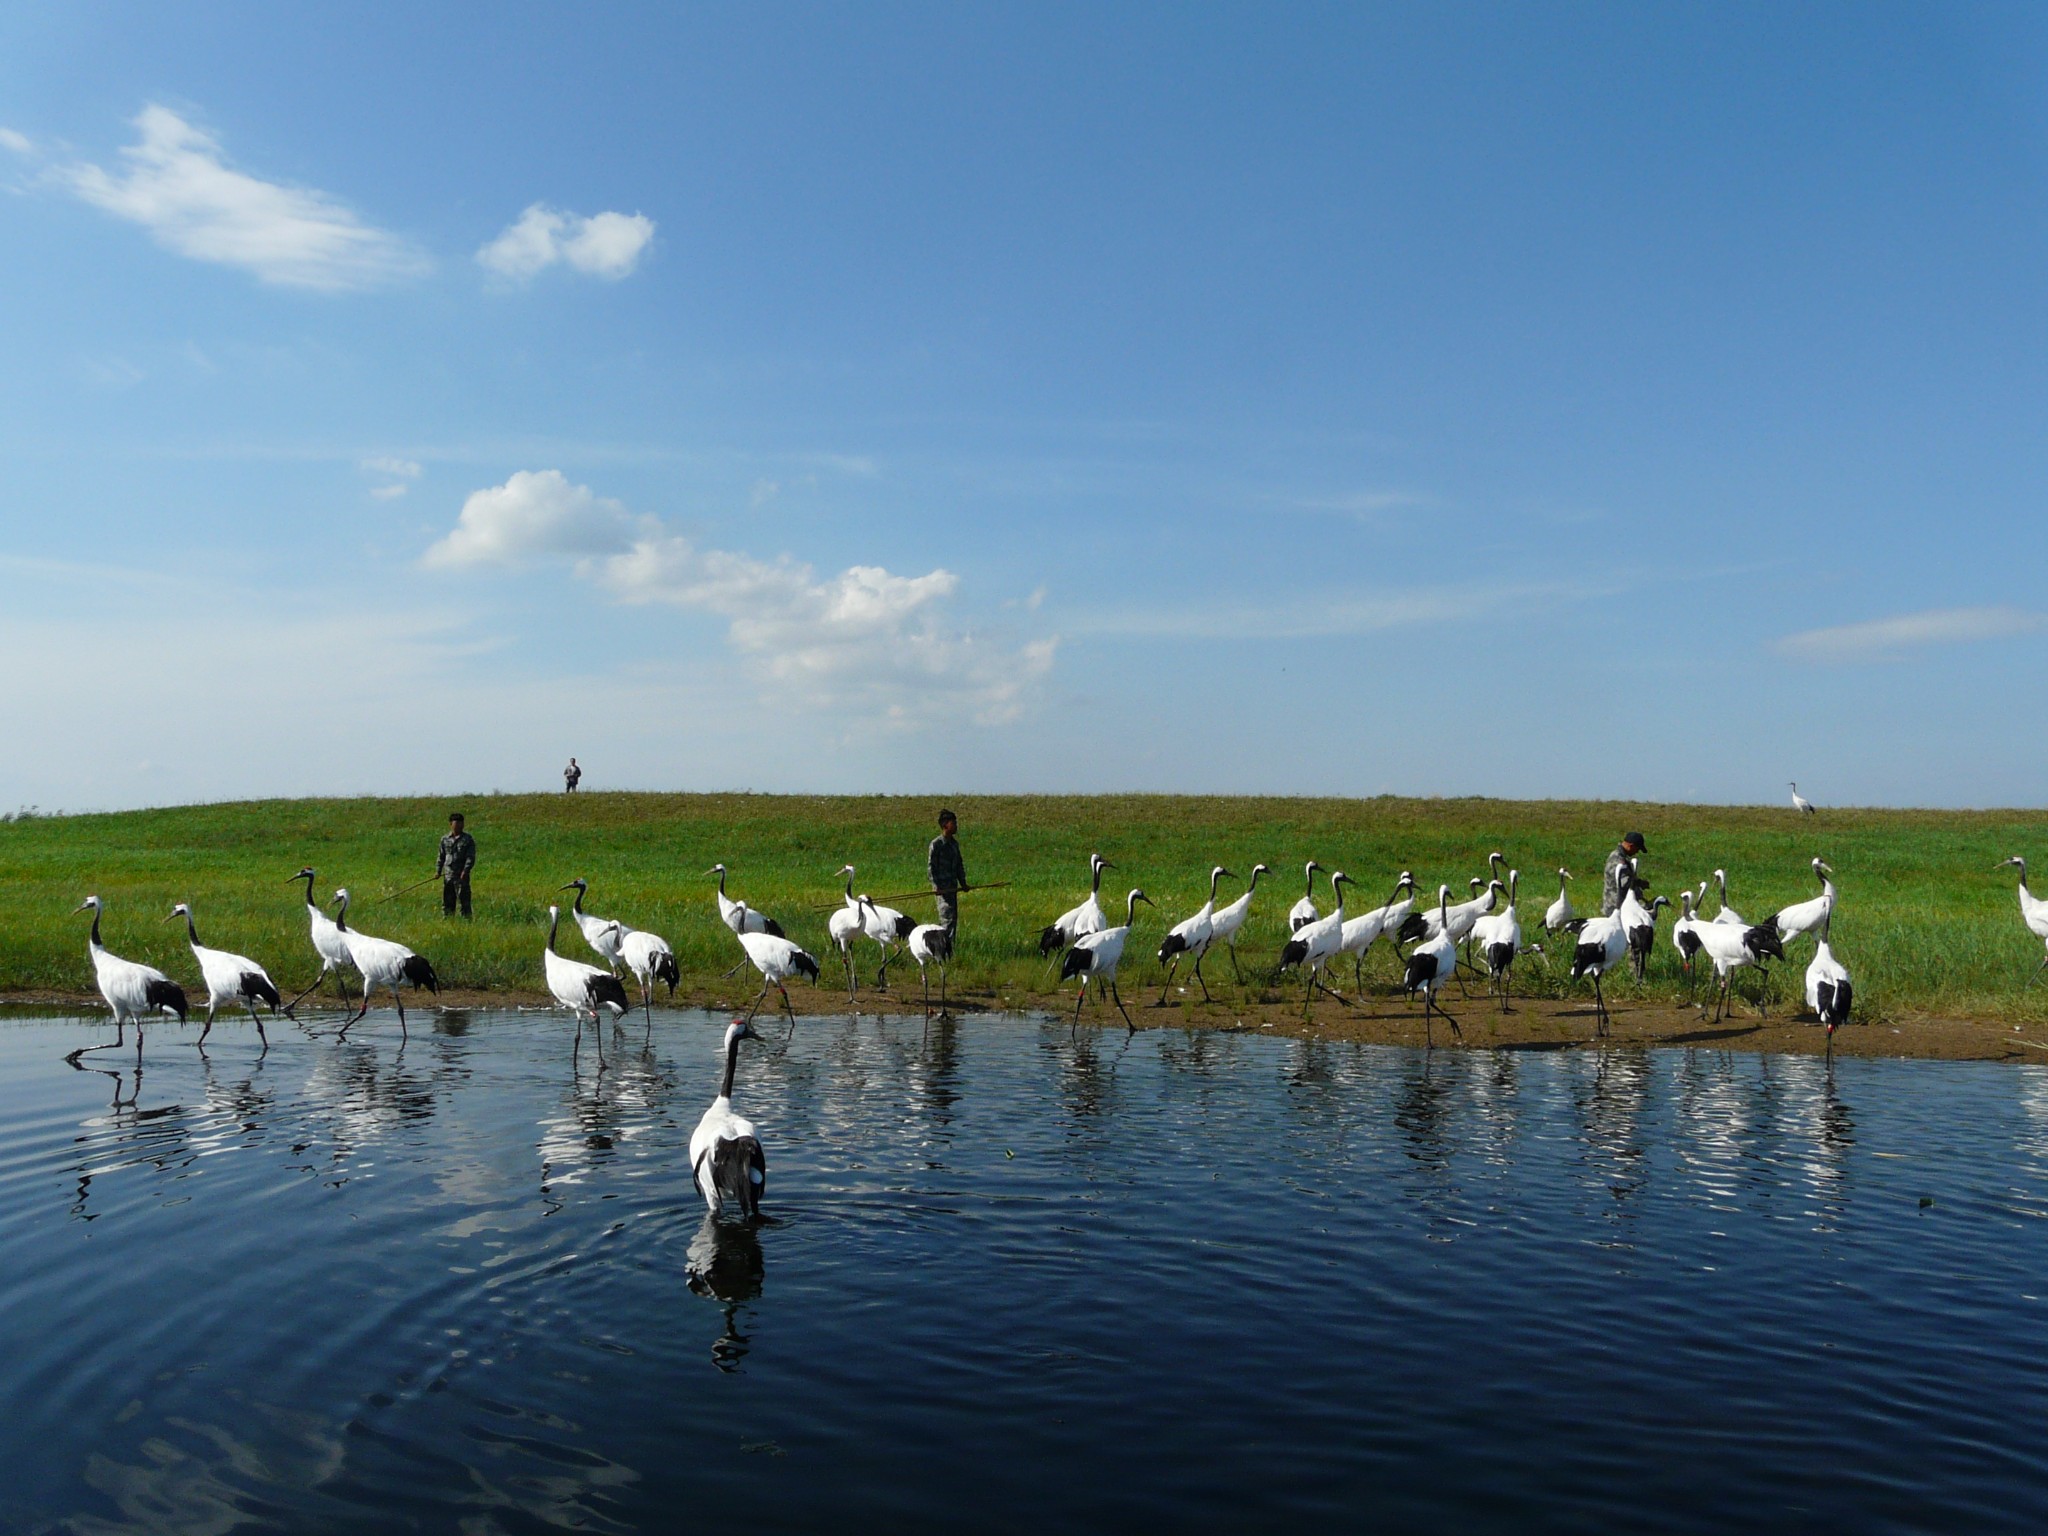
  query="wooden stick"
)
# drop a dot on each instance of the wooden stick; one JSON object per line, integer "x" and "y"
{"x": 408, "y": 890}
{"x": 993, "y": 885}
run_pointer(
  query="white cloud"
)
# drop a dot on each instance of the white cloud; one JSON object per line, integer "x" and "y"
{"x": 1884, "y": 639}
{"x": 607, "y": 245}
{"x": 533, "y": 513}
{"x": 177, "y": 185}
{"x": 399, "y": 468}
{"x": 389, "y": 492}
{"x": 1313, "y": 618}
{"x": 18, "y": 142}
{"x": 865, "y": 639}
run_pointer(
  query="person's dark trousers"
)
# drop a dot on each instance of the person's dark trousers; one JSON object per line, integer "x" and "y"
{"x": 949, "y": 916}
{"x": 452, "y": 893}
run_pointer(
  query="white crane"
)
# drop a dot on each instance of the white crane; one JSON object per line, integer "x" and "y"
{"x": 134, "y": 991}
{"x": 1191, "y": 936}
{"x": 1462, "y": 917}
{"x": 726, "y": 1160}
{"x": 602, "y": 934}
{"x": 1801, "y": 804}
{"x": 230, "y": 978}
{"x": 581, "y": 988}
{"x": 1095, "y": 956}
{"x": 1601, "y": 944}
{"x": 777, "y": 959}
{"x": 2033, "y": 912}
{"x": 1686, "y": 940}
{"x": 1360, "y": 933}
{"x": 327, "y": 945}
{"x": 1731, "y": 948}
{"x": 1432, "y": 963}
{"x": 382, "y": 963}
{"x": 1224, "y": 926}
{"x": 1498, "y": 936}
{"x": 1315, "y": 945}
{"x": 1828, "y": 992}
{"x": 1078, "y": 921}
{"x": 649, "y": 958}
{"x": 1303, "y": 912}
{"x": 737, "y": 915}
{"x": 1806, "y": 916}
{"x": 1559, "y": 916}
{"x": 844, "y": 926}
{"x": 1727, "y": 914}
{"x": 888, "y": 928}
{"x": 1640, "y": 924}
{"x": 931, "y": 944}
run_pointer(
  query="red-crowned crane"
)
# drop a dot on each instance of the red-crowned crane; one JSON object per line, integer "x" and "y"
{"x": 603, "y": 934}
{"x": 1727, "y": 914}
{"x": 1498, "y": 936}
{"x": 1094, "y": 958}
{"x": 230, "y": 978}
{"x": 1601, "y": 943}
{"x": 846, "y": 924}
{"x": 737, "y": 915}
{"x": 888, "y": 928}
{"x": 1807, "y": 916}
{"x": 2033, "y": 912}
{"x": 1686, "y": 940}
{"x": 1303, "y": 912}
{"x": 1078, "y": 922}
{"x": 1314, "y": 946}
{"x": 327, "y": 945}
{"x": 134, "y": 991}
{"x": 1800, "y": 803}
{"x": 1191, "y": 936}
{"x": 1360, "y": 933}
{"x": 1731, "y": 948}
{"x": 777, "y": 959}
{"x": 1559, "y": 916}
{"x": 383, "y": 963}
{"x": 1828, "y": 992}
{"x": 1224, "y": 926}
{"x": 726, "y": 1159}
{"x": 931, "y": 944}
{"x": 1639, "y": 922}
{"x": 582, "y": 988}
{"x": 1432, "y": 963}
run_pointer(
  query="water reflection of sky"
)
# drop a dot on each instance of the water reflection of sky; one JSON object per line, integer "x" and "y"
{"x": 467, "y": 1282}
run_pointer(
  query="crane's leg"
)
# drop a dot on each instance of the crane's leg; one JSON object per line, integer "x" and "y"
{"x": 790, "y": 1009}
{"x": 1599, "y": 1007}
{"x": 925, "y": 977}
{"x": 138, "y": 1044}
{"x": 1201, "y": 978}
{"x": 846, "y": 955}
{"x": 1167, "y": 985}
{"x": 763, "y": 997}
{"x": 943, "y": 969}
{"x": 259, "y": 1026}
{"x": 209, "y": 1025}
{"x": 1079, "y": 998}
{"x": 398, "y": 997}
{"x": 1235, "y": 969}
{"x": 1119, "y": 999}
{"x": 2043, "y": 966}
{"x": 320, "y": 977}
{"x": 1325, "y": 988}
{"x": 1428, "y": 1008}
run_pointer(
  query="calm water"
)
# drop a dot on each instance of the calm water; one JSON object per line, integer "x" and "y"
{"x": 1015, "y": 1282}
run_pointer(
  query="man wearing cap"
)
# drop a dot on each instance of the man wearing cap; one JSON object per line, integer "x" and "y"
{"x": 948, "y": 871}
{"x": 1621, "y": 874}
{"x": 458, "y": 858}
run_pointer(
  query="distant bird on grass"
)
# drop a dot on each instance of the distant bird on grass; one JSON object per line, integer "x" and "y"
{"x": 2033, "y": 912}
{"x": 1095, "y": 956}
{"x": 726, "y": 1160}
{"x": 1800, "y": 803}
{"x": 134, "y": 991}
{"x": 230, "y": 978}
{"x": 383, "y": 963}
{"x": 327, "y": 944}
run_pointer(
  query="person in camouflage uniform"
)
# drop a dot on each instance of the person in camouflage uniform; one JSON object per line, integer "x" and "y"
{"x": 948, "y": 871}
{"x": 458, "y": 858}
{"x": 1621, "y": 874}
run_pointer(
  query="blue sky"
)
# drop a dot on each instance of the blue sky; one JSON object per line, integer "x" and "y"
{"x": 1463, "y": 400}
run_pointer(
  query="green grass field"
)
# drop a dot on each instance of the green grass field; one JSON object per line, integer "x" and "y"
{"x": 1924, "y": 923}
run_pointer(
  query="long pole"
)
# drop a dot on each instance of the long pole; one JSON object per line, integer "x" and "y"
{"x": 408, "y": 890}
{"x": 991, "y": 885}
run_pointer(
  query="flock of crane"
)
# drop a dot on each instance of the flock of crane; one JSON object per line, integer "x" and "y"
{"x": 726, "y": 1157}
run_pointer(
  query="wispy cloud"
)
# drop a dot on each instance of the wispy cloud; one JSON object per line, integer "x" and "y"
{"x": 1886, "y": 639}
{"x": 1317, "y": 618}
{"x": 177, "y": 184}
{"x": 865, "y": 639}
{"x": 606, "y": 245}
{"x": 396, "y": 473}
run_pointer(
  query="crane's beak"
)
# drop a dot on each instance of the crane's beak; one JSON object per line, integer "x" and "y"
{"x": 569, "y": 887}
{"x": 171, "y": 917}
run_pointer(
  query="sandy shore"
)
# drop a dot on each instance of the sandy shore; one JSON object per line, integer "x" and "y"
{"x": 1534, "y": 1023}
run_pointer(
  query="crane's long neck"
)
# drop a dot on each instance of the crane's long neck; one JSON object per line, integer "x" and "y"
{"x": 1095, "y": 885}
{"x": 721, "y": 879}
{"x": 191, "y": 928}
{"x": 732, "y": 1061}
{"x": 1253, "y": 884}
{"x": 554, "y": 922}
{"x": 578, "y": 908}
{"x": 308, "y": 878}
{"x": 1214, "y": 876}
{"x": 849, "y": 886}
{"x": 1308, "y": 887}
{"x": 96, "y": 944}
{"x": 1130, "y": 909}
{"x": 341, "y": 914}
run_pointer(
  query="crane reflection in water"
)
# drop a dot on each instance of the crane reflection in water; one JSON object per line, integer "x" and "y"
{"x": 724, "y": 1264}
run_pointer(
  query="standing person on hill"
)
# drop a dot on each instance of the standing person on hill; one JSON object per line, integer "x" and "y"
{"x": 571, "y": 777}
{"x": 948, "y": 871}
{"x": 458, "y": 858}
{"x": 1621, "y": 874}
